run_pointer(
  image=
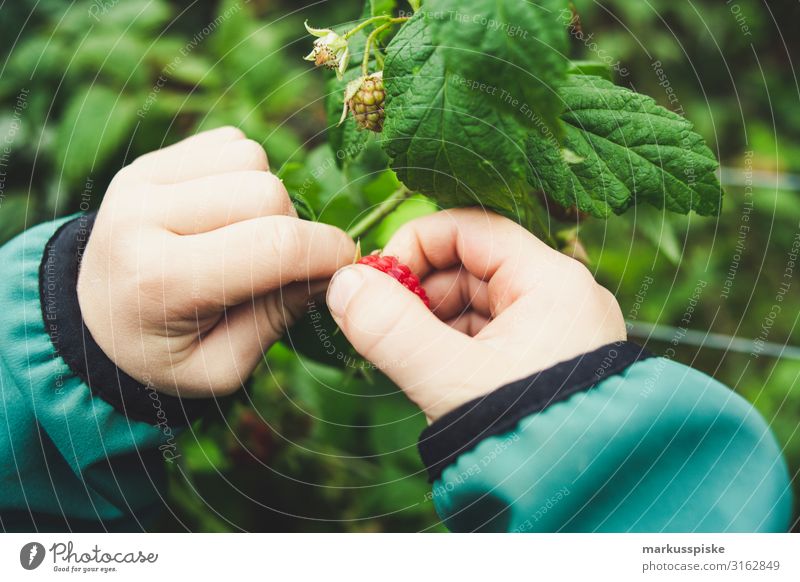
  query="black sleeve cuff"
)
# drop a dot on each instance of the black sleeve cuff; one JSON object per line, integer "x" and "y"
{"x": 500, "y": 411}
{"x": 58, "y": 281}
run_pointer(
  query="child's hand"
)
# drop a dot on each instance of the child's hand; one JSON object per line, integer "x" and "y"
{"x": 197, "y": 263}
{"x": 505, "y": 305}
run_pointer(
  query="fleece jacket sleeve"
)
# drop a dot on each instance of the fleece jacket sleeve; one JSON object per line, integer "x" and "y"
{"x": 616, "y": 440}
{"x": 82, "y": 445}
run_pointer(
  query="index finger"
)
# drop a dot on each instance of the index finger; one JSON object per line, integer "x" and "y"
{"x": 236, "y": 263}
{"x": 483, "y": 242}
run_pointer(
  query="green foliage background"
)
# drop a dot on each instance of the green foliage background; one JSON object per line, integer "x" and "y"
{"x": 88, "y": 86}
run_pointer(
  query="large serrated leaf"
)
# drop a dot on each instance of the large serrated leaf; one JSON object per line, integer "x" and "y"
{"x": 452, "y": 139}
{"x": 516, "y": 48}
{"x": 627, "y": 149}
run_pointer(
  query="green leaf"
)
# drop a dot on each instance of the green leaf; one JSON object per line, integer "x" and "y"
{"x": 16, "y": 209}
{"x": 195, "y": 70}
{"x": 143, "y": 15}
{"x": 598, "y": 68}
{"x": 516, "y": 48}
{"x": 319, "y": 181}
{"x": 547, "y": 169}
{"x": 126, "y": 17}
{"x": 235, "y": 26}
{"x": 415, "y": 207}
{"x": 93, "y": 128}
{"x": 111, "y": 55}
{"x": 203, "y": 454}
{"x": 382, "y": 7}
{"x": 629, "y": 149}
{"x": 660, "y": 231}
{"x": 41, "y": 56}
{"x": 449, "y": 134}
{"x": 303, "y": 207}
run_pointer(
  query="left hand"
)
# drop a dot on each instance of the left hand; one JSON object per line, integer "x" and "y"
{"x": 197, "y": 263}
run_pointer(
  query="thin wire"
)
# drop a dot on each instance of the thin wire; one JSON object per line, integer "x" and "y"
{"x": 715, "y": 341}
{"x": 759, "y": 179}
{"x": 719, "y": 341}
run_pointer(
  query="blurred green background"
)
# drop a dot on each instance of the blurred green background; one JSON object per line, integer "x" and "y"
{"x": 88, "y": 86}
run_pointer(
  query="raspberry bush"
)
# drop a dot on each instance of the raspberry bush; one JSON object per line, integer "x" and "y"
{"x": 476, "y": 103}
{"x": 339, "y": 449}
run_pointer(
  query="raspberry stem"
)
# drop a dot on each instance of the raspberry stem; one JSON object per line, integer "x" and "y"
{"x": 365, "y": 24}
{"x": 368, "y": 47}
{"x": 374, "y": 19}
{"x": 380, "y": 212}
{"x": 388, "y": 22}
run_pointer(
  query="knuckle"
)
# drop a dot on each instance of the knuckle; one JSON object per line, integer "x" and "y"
{"x": 126, "y": 175}
{"x": 275, "y": 191}
{"x": 230, "y": 132}
{"x": 253, "y": 154}
{"x": 604, "y": 295}
{"x": 152, "y": 283}
{"x": 142, "y": 160}
{"x": 467, "y": 212}
{"x": 405, "y": 235}
{"x": 610, "y": 314}
{"x": 152, "y": 279}
{"x": 118, "y": 247}
{"x": 576, "y": 273}
{"x": 282, "y": 240}
{"x": 607, "y": 302}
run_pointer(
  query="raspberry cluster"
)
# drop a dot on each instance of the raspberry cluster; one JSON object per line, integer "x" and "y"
{"x": 394, "y": 268}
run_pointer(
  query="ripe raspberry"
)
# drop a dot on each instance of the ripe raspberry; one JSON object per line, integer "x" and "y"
{"x": 367, "y": 103}
{"x": 394, "y": 268}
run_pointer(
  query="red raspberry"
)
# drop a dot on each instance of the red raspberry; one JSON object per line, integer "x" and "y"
{"x": 394, "y": 268}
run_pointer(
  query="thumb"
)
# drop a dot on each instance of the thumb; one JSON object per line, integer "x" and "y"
{"x": 392, "y": 328}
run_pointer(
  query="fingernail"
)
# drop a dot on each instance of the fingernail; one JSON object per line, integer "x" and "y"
{"x": 344, "y": 285}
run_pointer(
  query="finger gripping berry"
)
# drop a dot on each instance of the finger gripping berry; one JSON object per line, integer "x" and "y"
{"x": 394, "y": 268}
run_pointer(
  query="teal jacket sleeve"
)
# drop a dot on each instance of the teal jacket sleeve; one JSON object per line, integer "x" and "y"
{"x": 82, "y": 445}
{"x": 613, "y": 441}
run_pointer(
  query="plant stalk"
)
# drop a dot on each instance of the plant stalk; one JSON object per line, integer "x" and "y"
{"x": 364, "y": 24}
{"x": 368, "y": 48}
{"x": 383, "y": 17}
{"x": 380, "y": 212}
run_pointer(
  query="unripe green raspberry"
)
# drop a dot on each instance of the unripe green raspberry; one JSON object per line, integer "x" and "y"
{"x": 366, "y": 102}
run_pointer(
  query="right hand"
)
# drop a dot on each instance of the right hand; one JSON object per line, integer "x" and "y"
{"x": 504, "y": 306}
